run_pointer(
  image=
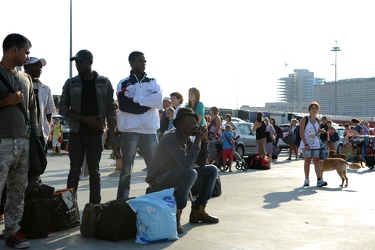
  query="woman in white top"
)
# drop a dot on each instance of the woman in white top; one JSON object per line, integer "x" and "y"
{"x": 310, "y": 143}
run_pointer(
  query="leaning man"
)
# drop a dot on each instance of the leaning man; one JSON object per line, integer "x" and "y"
{"x": 172, "y": 166}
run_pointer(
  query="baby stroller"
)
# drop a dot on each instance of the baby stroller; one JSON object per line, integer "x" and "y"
{"x": 215, "y": 154}
{"x": 215, "y": 149}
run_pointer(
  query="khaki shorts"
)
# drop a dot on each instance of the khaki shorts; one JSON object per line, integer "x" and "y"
{"x": 261, "y": 143}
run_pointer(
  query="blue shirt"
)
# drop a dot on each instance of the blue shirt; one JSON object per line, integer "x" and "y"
{"x": 227, "y": 144}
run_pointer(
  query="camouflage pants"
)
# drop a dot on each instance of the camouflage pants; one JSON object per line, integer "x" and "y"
{"x": 14, "y": 166}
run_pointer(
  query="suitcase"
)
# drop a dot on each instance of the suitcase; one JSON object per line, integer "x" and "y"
{"x": 257, "y": 162}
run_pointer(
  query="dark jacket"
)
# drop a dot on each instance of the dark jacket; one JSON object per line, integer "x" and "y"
{"x": 171, "y": 153}
{"x": 71, "y": 98}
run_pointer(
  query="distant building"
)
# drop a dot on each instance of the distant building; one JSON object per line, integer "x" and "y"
{"x": 297, "y": 89}
{"x": 355, "y": 97}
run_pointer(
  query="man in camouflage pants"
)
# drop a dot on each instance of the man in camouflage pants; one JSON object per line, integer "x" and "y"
{"x": 14, "y": 134}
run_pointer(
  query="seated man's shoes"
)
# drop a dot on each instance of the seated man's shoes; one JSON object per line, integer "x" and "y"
{"x": 180, "y": 230}
{"x": 198, "y": 214}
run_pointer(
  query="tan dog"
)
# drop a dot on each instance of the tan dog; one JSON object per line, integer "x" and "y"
{"x": 332, "y": 154}
{"x": 340, "y": 166}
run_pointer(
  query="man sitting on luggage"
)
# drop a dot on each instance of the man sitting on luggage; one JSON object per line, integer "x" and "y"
{"x": 173, "y": 166}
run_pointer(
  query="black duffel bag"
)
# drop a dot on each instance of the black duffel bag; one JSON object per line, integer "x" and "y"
{"x": 37, "y": 213}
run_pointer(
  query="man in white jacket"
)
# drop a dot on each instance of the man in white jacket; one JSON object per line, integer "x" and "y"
{"x": 139, "y": 99}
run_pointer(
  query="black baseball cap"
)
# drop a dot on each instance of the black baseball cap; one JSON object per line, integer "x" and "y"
{"x": 83, "y": 55}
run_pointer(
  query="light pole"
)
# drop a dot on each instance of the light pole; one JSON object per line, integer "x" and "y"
{"x": 335, "y": 49}
{"x": 70, "y": 49}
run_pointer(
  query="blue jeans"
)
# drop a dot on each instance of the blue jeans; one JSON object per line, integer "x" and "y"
{"x": 130, "y": 142}
{"x": 206, "y": 179}
{"x": 92, "y": 147}
{"x": 181, "y": 180}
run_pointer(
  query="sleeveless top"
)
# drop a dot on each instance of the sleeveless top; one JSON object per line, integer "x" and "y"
{"x": 310, "y": 135}
{"x": 261, "y": 131}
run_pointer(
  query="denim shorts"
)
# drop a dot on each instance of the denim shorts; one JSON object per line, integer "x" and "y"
{"x": 312, "y": 153}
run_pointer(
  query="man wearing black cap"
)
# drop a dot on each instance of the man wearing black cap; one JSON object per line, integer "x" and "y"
{"x": 173, "y": 166}
{"x": 87, "y": 100}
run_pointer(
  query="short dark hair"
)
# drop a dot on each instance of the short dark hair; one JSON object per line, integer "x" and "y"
{"x": 15, "y": 39}
{"x": 228, "y": 116}
{"x": 178, "y": 95}
{"x": 133, "y": 55}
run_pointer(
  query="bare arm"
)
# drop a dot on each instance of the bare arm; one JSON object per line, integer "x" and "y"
{"x": 11, "y": 99}
{"x": 302, "y": 131}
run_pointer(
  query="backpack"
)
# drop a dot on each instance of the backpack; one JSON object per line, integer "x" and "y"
{"x": 296, "y": 137}
{"x": 280, "y": 133}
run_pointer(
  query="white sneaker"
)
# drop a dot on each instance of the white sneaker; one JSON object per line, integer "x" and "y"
{"x": 84, "y": 177}
{"x": 306, "y": 183}
{"x": 321, "y": 183}
{"x": 115, "y": 173}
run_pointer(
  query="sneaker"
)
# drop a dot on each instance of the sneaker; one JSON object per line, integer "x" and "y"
{"x": 306, "y": 183}
{"x": 289, "y": 159}
{"x": 144, "y": 170}
{"x": 115, "y": 173}
{"x": 321, "y": 183}
{"x": 17, "y": 240}
{"x": 84, "y": 177}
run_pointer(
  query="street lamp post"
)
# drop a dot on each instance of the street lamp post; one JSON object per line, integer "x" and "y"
{"x": 70, "y": 49}
{"x": 336, "y": 49}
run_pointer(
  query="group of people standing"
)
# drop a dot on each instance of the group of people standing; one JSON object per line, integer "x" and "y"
{"x": 87, "y": 101}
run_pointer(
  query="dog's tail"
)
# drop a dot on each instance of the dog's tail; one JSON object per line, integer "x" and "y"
{"x": 354, "y": 166}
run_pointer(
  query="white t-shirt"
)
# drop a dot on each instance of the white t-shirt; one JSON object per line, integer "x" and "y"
{"x": 311, "y": 138}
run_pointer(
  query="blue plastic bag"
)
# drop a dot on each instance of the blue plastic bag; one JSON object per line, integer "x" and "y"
{"x": 156, "y": 216}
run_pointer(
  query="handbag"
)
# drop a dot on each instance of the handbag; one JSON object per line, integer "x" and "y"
{"x": 38, "y": 158}
{"x": 323, "y": 152}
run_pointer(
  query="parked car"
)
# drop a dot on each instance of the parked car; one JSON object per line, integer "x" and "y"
{"x": 285, "y": 128}
{"x": 339, "y": 145}
{"x": 65, "y": 123}
{"x": 246, "y": 144}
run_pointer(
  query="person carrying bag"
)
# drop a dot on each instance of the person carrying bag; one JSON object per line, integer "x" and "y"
{"x": 38, "y": 159}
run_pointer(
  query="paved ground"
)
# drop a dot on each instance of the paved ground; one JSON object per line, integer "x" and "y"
{"x": 257, "y": 210}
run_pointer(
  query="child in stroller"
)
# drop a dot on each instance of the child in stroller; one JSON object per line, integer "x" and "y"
{"x": 215, "y": 155}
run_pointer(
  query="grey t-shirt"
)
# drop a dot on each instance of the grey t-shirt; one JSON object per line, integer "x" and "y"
{"x": 12, "y": 121}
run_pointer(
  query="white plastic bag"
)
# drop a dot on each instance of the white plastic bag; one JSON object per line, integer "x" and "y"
{"x": 156, "y": 216}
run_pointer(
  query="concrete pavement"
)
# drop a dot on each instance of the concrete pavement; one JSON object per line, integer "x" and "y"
{"x": 257, "y": 210}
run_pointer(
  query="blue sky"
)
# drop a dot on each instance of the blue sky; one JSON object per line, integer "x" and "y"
{"x": 233, "y": 51}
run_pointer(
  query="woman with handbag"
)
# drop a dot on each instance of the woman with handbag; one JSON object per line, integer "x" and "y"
{"x": 311, "y": 143}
